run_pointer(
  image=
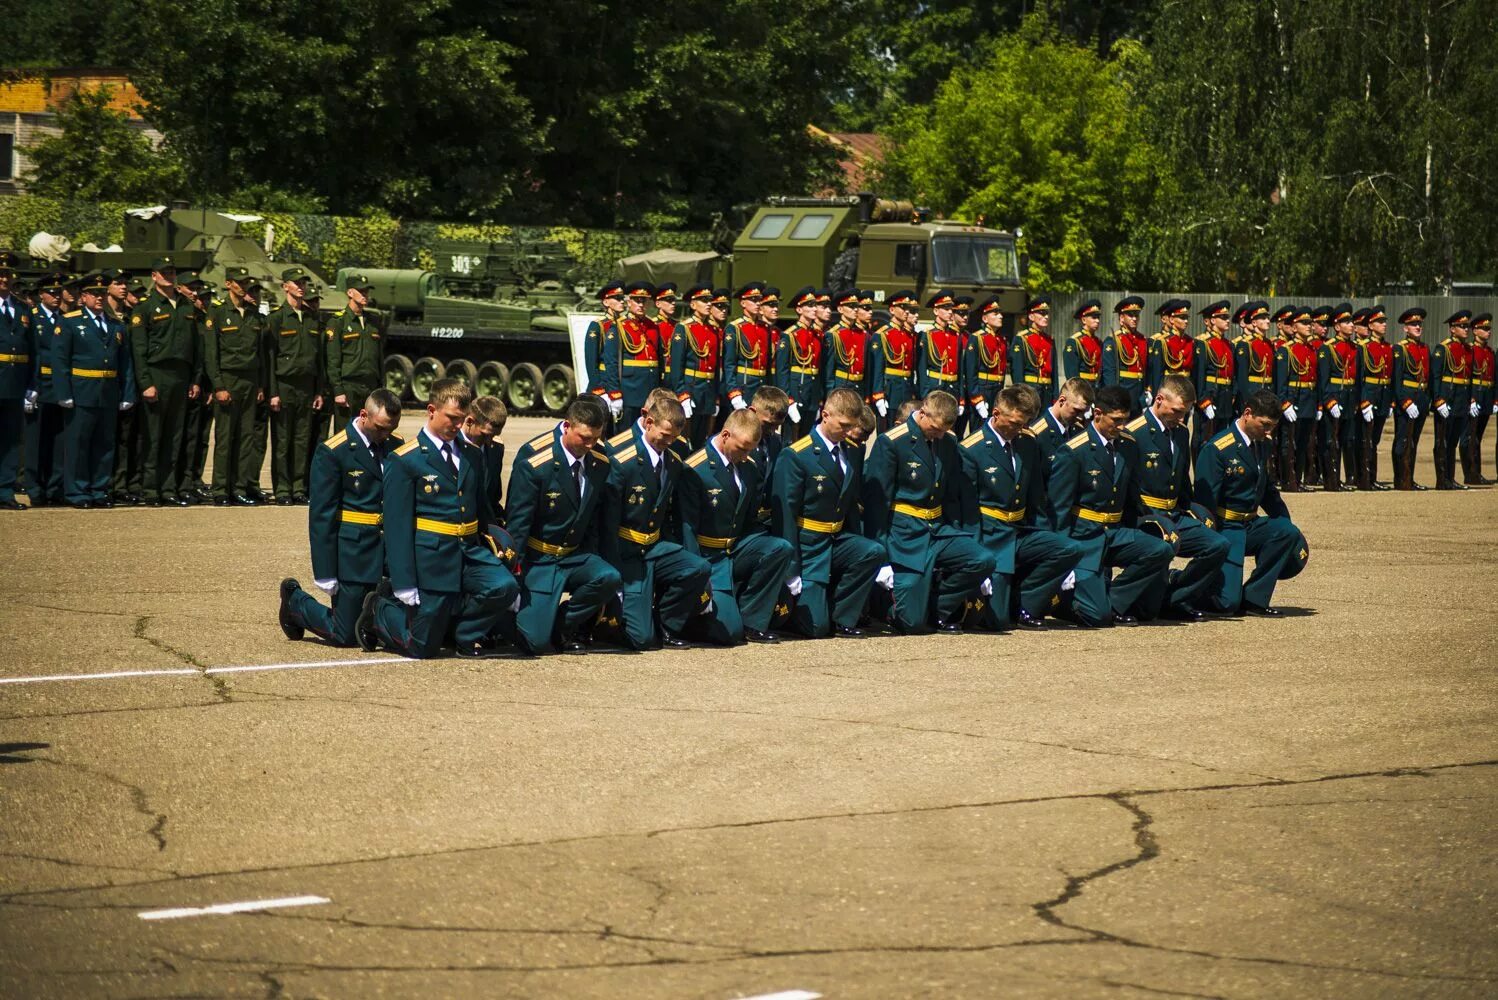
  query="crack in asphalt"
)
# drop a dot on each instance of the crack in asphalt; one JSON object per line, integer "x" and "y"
{"x": 66, "y": 863}
{"x": 138, "y": 798}
{"x": 220, "y": 686}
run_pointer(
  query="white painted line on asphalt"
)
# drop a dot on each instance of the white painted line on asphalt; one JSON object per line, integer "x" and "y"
{"x": 221, "y": 908}
{"x": 786, "y": 995}
{"x": 189, "y": 672}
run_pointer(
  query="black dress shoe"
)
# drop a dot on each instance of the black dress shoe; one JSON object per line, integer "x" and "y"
{"x": 1260, "y": 612}
{"x": 1182, "y": 613}
{"x": 188, "y": 499}
{"x": 175, "y": 501}
{"x": 949, "y": 626}
{"x": 300, "y": 499}
{"x": 80, "y": 504}
{"x": 259, "y": 496}
{"x": 572, "y": 646}
{"x": 1119, "y": 619}
{"x": 755, "y": 635}
{"x": 1029, "y": 621}
{"x": 202, "y": 493}
{"x": 154, "y": 502}
{"x": 223, "y": 501}
{"x": 844, "y": 632}
{"x": 285, "y": 502}
{"x": 106, "y": 503}
{"x": 474, "y": 651}
{"x": 240, "y": 500}
{"x": 36, "y": 502}
{"x": 11, "y": 505}
{"x": 364, "y": 628}
{"x": 669, "y": 641}
{"x": 130, "y": 500}
{"x": 289, "y": 628}
{"x": 1381, "y": 487}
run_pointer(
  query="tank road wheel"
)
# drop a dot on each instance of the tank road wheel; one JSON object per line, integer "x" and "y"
{"x": 492, "y": 378}
{"x": 426, "y": 371}
{"x": 558, "y": 387}
{"x": 524, "y": 388}
{"x": 463, "y": 370}
{"x": 398, "y": 375}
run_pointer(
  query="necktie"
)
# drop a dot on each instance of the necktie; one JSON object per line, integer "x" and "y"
{"x": 837, "y": 462}
{"x": 1009, "y": 454}
{"x": 5, "y": 308}
{"x": 577, "y": 477}
{"x": 450, "y": 458}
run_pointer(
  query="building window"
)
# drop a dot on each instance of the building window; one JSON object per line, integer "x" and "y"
{"x": 7, "y": 156}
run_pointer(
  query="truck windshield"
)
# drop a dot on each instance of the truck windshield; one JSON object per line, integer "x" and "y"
{"x": 974, "y": 260}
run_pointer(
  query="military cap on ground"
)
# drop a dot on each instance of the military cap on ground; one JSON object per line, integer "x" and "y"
{"x": 1482, "y": 321}
{"x": 941, "y": 299}
{"x": 666, "y": 291}
{"x": 1321, "y": 314}
{"x": 720, "y": 297}
{"x": 904, "y": 298}
{"x": 990, "y": 305}
{"x": 1219, "y": 308}
{"x": 752, "y": 290}
{"x": 1039, "y": 303}
{"x": 770, "y": 296}
{"x": 359, "y": 281}
{"x": 703, "y": 292}
{"x": 1459, "y": 318}
{"x": 1415, "y": 315}
{"x": 1129, "y": 304}
{"x": 242, "y": 276}
{"x": 1376, "y": 313}
{"x": 612, "y": 290}
{"x": 639, "y": 290}
{"x": 1341, "y": 312}
{"x": 805, "y": 296}
{"x": 846, "y": 297}
{"x": 1091, "y": 307}
{"x": 164, "y": 264}
{"x": 295, "y": 273}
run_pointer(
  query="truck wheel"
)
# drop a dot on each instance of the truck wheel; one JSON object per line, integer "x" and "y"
{"x": 398, "y": 375}
{"x": 426, "y": 371}
{"x": 558, "y": 387}
{"x": 844, "y": 270}
{"x": 464, "y": 371}
{"x": 524, "y": 388}
{"x": 492, "y": 378}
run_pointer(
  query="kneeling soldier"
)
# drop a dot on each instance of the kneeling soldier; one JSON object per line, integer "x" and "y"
{"x": 1089, "y": 495}
{"x": 93, "y": 374}
{"x": 719, "y": 500}
{"x": 1003, "y": 505}
{"x": 910, "y": 506}
{"x": 556, "y": 490}
{"x": 443, "y": 563}
{"x": 1231, "y": 479}
{"x": 659, "y": 576}
{"x": 344, "y": 514}
{"x": 1160, "y": 457}
{"x": 817, "y": 483}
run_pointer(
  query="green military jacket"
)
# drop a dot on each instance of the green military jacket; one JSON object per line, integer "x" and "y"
{"x": 164, "y": 334}
{"x": 234, "y": 343}
{"x": 295, "y": 350}
{"x": 355, "y": 354}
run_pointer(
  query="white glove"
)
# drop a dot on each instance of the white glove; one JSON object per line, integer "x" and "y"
{"x": 738, "y": 402}
{"x": 410, "y": 598}
{"x": 515, "y": 604}
{"x": 1475, "y": 408}
{"x": 1319, "y": 414}
{"x": 1412, "y": 411}
{"x": 1290, "y": 413}
{"x": 986, "y": 587}
{"x": 717, "y": 408}
{"x": 1149, "y": 397}
{"x": 1087, "y": 414}
{"x": 885, "y": 577}
{"x": 1336, "y": 411}
{"x": 961, "y": 408}
{"x": 794, "y": 586}
{"x": 125, "y": 405}
{"x": 616, "y": 407}
{"x": 329, "y": 587}
{"x": 1444, "y": 409}
{"x": 982, "y": 407}
{"x": 66, "y": 404}
{"x": 29, "y": 405}
{"x": 687, "y": 408}
{"x": 1495, "y": 409}
{"x": 1210, "y": 412}
{"x": 793, "y": 411}
{"x": 1367, "y": 414}
{"x": 1070, "y": 583}
{"x": 882, "y": 405}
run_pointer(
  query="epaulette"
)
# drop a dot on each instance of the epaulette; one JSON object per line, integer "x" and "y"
{"x": 697, "y": 459}
{"x": 340, "y": 312}
{"x": 1027, "y": 432}
{"x": 540, "y": 440}
{"x": 972, "y": 439}
{"x": 1038, "y": 426}
{"x": 74, "y": 314}
{"x": 1080, "y": 441}
{"x": 625, "y": 454}
{"x": 218, "y": 302}
{"x": 622, "y": 438}
{"x": 599, "y": 455}
{"x": 1135, "y": 424}
{"x": 539, "y": 459}
{"x": 406, "y": 449}
{"x": 1126, "y": 435}
{"x": 802, "y": 444}
{"x": 1226, "y": 440}
{"x": 340, "y": 438}
{"x": 895, "y": 432}
{"x": 397, "y": 440}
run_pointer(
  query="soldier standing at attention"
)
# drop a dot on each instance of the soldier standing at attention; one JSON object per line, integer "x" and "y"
{"x": 1004, "y": 506}
{"x": 1253, "y": 355}
{"x": 1126, "y": 352}
{"x": 1411, "y": 397}
{"x": 892, "y": 358}
{"x": 1231, "y": 481}
{"x": 355, "y": 352}
{"x": 164, "y": 340}
{"x": 601, "y": 350}
{"x": 344, "y": 517}
{"x": 1483, "y": 401}
{"x": 910, "y": 506}
{"x": 1214, "y": 377}
{"x": 1295, "y": 387}
{"x": 556, "y": 491}
{"x": 719, "y": 495}
{"x": 798, "y": 363}
{"x": 938, "y": 364}
{"x": 1376, "y": 389}
{"x": 1451, "y": 385}
{"x": 44, "y": 418}
{"x": 294, "y": 375}
{"x": 1090, "y": 491}
{"x": 1032, "y": 356}
{"x": 1172, "y": 351}
{"x": 692, "y": 369}
{"x": 322, "y": 416}
{"x": 1082, "y": 354}
{"x": 235, "y": 361}
{"x": 746, "y": 349}
{"x": 985, "y": 361}
{"x": 196, "y": 432}
{"x": 17, "y": 386}
{"x": 640, "y": 352}
{"x": 1337, "y": 391}
{"x": 94, "y": 380}
{"x": 846, "y": 350}
{"x": 816, "y": 491}
{"x": 442, "y": 560}
{"x": 124, "y": 295}
{"x": 665, "y": 316}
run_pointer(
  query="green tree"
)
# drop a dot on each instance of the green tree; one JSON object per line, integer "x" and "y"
{"x": 1041, "y": 135}
{"x": 100, "y": 156}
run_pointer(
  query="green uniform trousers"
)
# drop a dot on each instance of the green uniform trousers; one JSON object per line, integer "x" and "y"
{"x": 291, "y": 440}
{"x": 235, "y": 467}
{"x": 164, "y": 471}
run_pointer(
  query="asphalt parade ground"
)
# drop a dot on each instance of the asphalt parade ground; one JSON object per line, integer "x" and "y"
{"x": 191, "y": 806}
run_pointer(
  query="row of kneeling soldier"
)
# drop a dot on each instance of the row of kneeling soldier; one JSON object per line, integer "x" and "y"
{"x": 193, "y": 362}
{"x": 1076, "y": 512}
